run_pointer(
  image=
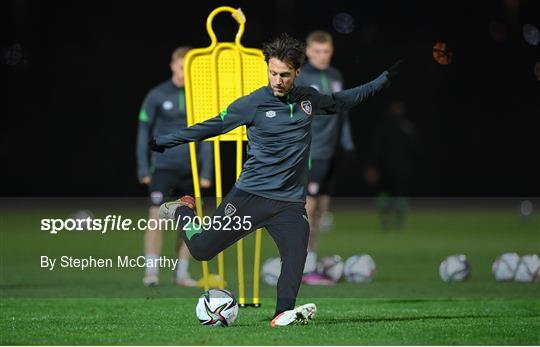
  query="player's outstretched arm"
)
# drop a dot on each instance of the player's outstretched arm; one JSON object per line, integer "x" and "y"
{"x": 346, "y": 99}
{"x": 238, "y": 113}
{"x": 351, "y": 97}
{"x": 195, "y": 133}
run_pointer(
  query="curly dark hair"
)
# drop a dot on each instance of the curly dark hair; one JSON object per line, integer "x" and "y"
{"x": 287, "y": 49}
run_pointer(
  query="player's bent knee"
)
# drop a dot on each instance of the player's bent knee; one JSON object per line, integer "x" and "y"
{"x": 202, "y": 256}
{"x": 200, "y": 252}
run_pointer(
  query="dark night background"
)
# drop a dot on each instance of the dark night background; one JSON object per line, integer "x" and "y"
{"x": 75, "y": 74}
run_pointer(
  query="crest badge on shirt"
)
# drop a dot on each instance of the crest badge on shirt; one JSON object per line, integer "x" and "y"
{"x": 306, "y": 107}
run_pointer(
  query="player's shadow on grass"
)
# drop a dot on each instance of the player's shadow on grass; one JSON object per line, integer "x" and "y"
{"x": 398, "y": 319}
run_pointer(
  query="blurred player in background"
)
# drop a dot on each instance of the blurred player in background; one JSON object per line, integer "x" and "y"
{"x": 168, "y": 174}
{"x": 327, "y": 134}
{"x": 392, "y": 159}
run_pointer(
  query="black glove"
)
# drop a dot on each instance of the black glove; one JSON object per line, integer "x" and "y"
{"x": 392, "y": 70}
{"x": 154, "y": 146}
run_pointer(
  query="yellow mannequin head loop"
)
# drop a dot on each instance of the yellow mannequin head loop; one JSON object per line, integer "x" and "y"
{"x": 237, "y": 14}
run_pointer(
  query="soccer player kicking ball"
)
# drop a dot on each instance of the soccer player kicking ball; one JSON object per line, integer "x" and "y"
{"x": 271, "y": 190}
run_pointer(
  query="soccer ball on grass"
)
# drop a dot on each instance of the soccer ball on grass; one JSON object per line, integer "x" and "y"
{"x": 359, "y": 268}
{"x": 455, "y": 268}
{"x": 505, "y": 266}
{"x": 331, "y": 267}
{"x": 217, "y": 308}
{"x": 271, "y": 270}
{"x": 528, "y": 268}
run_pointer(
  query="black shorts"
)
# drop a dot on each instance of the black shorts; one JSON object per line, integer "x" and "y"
{"x": 322, "y": 177}
{"x": 168, "y": 185}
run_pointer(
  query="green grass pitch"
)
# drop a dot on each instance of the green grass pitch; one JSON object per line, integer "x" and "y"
{"x": 406, "y": 303}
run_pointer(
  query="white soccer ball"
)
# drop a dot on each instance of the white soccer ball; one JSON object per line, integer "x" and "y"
{"x": 528, "y": 268}
{"x": 455, "y": 268}
{"x": 271, "y": 270}
{"x": 331, "y": 267}
{"x": 83, "y": 219}
{"x": 505, "y": 266}
{"x": 359, "y": 268}
{"x": 217, "y": 308}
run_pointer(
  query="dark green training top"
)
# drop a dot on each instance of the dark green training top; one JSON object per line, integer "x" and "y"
{"x": 279, "y": 134}
{"x": 328, "y": 132}
{"x": 164, "y": 111}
